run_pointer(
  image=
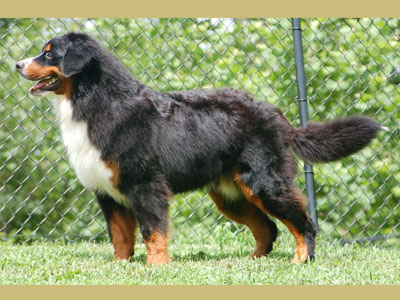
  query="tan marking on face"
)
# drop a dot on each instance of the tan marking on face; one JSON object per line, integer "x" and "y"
{"x": 34, "y": 71}
{"x": 66, "y": 87}
{"x": 122, "y": 227}
{"x": 48, "y": 47}
{"x": 157, "y": 249}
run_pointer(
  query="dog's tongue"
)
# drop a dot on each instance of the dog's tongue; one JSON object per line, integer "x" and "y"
{"x": 38, "y": 85}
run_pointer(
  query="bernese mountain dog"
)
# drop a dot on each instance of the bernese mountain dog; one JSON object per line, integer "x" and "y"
{"x": 136, "y": 147}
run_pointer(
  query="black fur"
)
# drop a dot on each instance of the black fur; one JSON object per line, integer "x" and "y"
{"x": 323, "y": 142}
{"x": 167, "y": 143}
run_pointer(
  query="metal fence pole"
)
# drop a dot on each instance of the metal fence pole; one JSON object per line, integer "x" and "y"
{"x": 303, "y": 107}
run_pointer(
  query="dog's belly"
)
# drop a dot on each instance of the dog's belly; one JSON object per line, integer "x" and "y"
{"x": 227, "y": 187}
{"x": 85, "y": 158}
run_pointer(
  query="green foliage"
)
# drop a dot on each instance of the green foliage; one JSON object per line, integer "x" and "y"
{"x": 347, "y": 63}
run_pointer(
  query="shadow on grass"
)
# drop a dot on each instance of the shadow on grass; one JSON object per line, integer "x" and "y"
{"x": 194, "y": 256}
{"x": 203, "y": 256}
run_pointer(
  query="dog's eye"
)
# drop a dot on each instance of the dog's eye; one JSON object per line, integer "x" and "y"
{"x": 48, "y": 55}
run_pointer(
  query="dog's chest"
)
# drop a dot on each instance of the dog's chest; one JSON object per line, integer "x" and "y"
{"x": 83, "y": 155}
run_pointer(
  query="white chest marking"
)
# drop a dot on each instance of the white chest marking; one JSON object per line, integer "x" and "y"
{"x": 83, "y": 155}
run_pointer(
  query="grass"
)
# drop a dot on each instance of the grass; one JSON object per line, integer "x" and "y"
{"x": 222, "y": 258}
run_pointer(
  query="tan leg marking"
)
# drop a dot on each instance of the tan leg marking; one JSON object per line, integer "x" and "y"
{"x": 250, "y": 216}
{"x": 301, "y": 252}
{"x": 248, "y": 193}
{"x": 122, "y": 235}
{"x": 157, "y": 249}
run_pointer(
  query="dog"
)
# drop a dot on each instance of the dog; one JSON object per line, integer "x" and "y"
{"x": 136, "y": 147}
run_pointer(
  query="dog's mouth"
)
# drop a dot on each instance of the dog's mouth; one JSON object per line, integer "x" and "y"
{"x": 50, "y": 83}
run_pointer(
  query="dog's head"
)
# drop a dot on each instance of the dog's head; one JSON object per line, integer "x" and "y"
{"x": 61, "y": 59}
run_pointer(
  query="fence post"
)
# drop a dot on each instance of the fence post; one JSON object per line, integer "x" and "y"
{"x": 303, "y": 107}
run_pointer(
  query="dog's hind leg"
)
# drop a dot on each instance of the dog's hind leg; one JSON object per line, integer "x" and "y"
{"x": 289, "y": 207}
{"x": 121, "y": 226}
{"x": 241, "y": 211}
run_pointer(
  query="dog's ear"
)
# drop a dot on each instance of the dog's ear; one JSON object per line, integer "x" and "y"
{"x": 77, "y": 56}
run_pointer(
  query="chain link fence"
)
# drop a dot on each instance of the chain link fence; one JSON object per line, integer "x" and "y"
{"x": 347, "y": 63}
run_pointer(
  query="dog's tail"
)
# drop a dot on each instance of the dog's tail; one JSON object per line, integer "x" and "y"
{"x": 329, "y": 141}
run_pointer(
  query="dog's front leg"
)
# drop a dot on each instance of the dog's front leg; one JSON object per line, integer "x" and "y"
{"x": 150, "y": 207}
{"x": 121, "y": 226}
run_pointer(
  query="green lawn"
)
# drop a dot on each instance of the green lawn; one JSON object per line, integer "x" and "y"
{"x": 222, "y": 258}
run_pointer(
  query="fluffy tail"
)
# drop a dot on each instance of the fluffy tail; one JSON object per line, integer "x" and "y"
{"x": 323, "y": 142}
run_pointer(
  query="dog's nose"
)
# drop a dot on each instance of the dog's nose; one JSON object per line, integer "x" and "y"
{"x": 19, "y": 65}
